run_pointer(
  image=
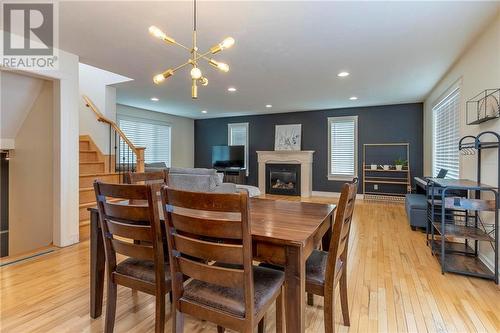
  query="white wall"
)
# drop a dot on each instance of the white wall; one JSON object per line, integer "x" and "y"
{"x": 182, "y": 133}
{"x": 95, "y": 84}
{"x": 476, "y": 70}
{"x": 30, "y": 177}
{"x": 65, "y": 141}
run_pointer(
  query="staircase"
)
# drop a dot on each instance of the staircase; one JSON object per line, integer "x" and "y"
{"x": 93, "y": 165}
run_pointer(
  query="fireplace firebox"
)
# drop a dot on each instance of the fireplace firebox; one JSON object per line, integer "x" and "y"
{"x": 283, "y": 179}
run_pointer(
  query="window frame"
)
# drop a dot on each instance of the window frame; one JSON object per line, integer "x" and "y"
{"x": 153, "y": 122}
{"x": 340, "y": 177}
{"x": 229, "y": 140}
{"x": 452, "y": 89}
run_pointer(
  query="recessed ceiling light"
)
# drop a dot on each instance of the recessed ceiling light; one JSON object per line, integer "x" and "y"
{"x": 204, "y": 111}
{"x": 353, "y": 98}
{"x": 343, "y": 74}
{"x": 269, "y": 106}
{"x": 231, "y": 89}
{"x": 155, "y": 99}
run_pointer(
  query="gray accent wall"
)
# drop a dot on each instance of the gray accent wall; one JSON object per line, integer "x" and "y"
{"x": 376, "y": 124}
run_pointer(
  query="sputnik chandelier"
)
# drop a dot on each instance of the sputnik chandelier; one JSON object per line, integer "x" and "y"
{"x": 196, "y": 74}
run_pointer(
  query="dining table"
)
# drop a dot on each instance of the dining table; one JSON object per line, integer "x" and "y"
{"x": 284, "y": 233}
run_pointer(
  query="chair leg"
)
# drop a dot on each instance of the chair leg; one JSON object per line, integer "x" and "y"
{"x": 109, "y": 322}
{"x": 343, "y": 299}
{"x": 262, "y": 325}
{"x": 329, "y": 311}
{"x": 178, "y": 322}
{"x": 220, "y": 329}
{"x": 280, "y": 312}
{"x": 160, "y": 313}
{"x": 310, "y": 299}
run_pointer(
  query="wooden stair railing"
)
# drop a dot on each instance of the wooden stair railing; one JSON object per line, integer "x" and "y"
{"x": 121, "y": 143}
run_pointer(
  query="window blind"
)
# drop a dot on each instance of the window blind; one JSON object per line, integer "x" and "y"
{"x": 152, "y": 135}
{"x": 446, "y": 121}
{"x": 343, "y": 146}
{"x": 238, "y": 136}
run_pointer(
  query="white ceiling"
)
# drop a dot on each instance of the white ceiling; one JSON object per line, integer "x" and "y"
{"x": 287, "y": 53}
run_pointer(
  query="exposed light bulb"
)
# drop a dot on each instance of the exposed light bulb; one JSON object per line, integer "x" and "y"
{"x": 196, "y": 73}
{"x": 220, "y": 65}
{"x": 227, "y": 43}
{"x": 223, "y": 67}
{"x": 343, "y": 74}
{"x": 161, "y": 77}
{"x": 155, "y": 31}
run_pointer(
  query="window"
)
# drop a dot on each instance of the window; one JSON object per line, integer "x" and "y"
{"x": 153, "y": 135}
{"x": 446, "y": 131}
{"x": 237, "y": 135}
{"x": 343, "y": 148}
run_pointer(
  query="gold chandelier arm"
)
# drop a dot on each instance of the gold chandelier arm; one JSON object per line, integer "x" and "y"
{"x": 181, "y": 66}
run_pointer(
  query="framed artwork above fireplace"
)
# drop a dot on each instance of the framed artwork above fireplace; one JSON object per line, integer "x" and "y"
{"x": 288, "y": 137}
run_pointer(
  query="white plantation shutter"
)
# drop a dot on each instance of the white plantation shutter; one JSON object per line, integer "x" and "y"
{"x": 343, "y": 143}
{"x": 446, "y": 122}
{"x": 238, "y": 136}
{"x": 155, "y": 136}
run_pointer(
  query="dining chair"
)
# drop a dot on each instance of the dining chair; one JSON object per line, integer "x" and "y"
{"x": 209, "y": 241}
{"x": 144, "y": 269}
{"x": 327, "y": 269}
{"x": 154, "y": 177}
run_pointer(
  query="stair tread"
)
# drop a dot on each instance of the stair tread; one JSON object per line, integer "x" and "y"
{"x": 93, "y": 203}
{"x": 86, "y": 189}
{"x": 99, "y": 174}
{"x": 88, "y": 151}
{"x": 92, "y": 162}
{"x": 84, "y": 223}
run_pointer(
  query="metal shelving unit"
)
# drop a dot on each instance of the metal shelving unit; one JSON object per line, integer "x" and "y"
{"x": 464, "y": 213}
{"x": 395, "y": 183}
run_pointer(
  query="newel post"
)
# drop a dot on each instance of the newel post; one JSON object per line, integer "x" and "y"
{"x": 140, "y": 159}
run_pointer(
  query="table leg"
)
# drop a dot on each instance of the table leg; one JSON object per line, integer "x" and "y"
{"x": 97, "y": 264}
{"x": 327, "y": 237}
{"x": 295, "y": 289}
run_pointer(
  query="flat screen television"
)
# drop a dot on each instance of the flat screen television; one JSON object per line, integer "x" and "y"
{"x": 228, "y": 156}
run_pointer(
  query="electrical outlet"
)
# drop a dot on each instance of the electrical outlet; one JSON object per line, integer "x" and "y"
{"x": 375, "y": 187}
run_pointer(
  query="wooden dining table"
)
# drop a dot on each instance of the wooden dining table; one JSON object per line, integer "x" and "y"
{"x": 284, "y": 233}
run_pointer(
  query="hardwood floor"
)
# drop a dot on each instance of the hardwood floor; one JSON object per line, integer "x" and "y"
{"x": 394, "y": 285}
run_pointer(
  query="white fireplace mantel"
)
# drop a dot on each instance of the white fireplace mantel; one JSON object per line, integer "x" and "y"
{"x": 302, "y": 157}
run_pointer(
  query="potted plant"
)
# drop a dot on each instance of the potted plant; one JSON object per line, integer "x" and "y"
{"x": 400, "y": 163}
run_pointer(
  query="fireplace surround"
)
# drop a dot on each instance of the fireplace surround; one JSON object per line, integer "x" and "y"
{"x": 301, "y": 158}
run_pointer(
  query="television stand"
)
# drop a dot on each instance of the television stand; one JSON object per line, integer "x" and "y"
{"x": 233, "y": 175}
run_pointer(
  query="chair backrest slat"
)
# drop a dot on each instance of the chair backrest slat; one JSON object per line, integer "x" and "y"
{"x": 123, "y": 211}
{"x": 144, "y": 252}
{"x": 203, "y": 228}
{"x": 207, "y": 227}
{"x": 226, "y": 253}
{"x": 214, "y": 202}
{"x": 341, "y": 229}
{"x": 155, "y": 177}
{"x": 137, "y": 232}
{"x": 221, "y": 276}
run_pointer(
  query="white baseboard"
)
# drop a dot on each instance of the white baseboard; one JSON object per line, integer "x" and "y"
{"x": 332, "y": 194}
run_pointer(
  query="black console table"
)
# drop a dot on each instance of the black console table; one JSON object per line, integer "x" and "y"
{"x": 234, "y": 175}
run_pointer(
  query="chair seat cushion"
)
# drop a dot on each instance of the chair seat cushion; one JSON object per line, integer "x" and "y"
{"x": 141, "y": 269}
{"x": 316, "y": 267}
{"x": 266, "y": 283}
{"x": 416, "y": 201}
